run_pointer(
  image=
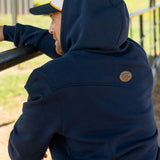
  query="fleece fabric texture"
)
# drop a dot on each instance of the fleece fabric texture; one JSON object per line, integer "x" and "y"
{"x": 23, "y": 35}
{"x": 81, "y": 105}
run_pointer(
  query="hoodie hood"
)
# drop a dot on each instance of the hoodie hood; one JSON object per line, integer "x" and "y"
{"x": 94, "y": 25}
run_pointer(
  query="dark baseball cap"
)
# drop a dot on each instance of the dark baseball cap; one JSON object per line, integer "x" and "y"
{"x": 51, "y": 7}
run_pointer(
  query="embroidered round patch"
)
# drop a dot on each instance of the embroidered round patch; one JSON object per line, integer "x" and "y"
{"x": 125, "y": 76}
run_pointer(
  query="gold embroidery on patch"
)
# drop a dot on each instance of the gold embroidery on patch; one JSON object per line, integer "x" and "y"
{"x": 125, "y": 76}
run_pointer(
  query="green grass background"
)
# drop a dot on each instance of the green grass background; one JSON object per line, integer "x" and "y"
{"x": 12, "y": 81}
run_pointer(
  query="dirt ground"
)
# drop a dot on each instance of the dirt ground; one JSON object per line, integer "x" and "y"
{"x": 8, "y": 117}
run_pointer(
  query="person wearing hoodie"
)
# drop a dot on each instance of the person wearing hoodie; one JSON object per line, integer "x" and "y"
{"x": 94, "y": 100}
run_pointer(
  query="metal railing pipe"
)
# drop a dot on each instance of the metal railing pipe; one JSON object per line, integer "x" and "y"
{"x": 18, "y": 55}
{"x": 155, "y": 37}
{"x": 15, "y": 56}
{"x": 141, "y": 30}
{"x": 138, "y": 13}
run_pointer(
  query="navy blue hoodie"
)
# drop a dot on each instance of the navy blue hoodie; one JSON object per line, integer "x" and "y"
{"x": 95, "y": 102}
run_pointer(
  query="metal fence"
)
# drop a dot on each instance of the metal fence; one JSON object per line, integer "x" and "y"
{"x": 22, "y": 6}
{"x": 145, "y": 29}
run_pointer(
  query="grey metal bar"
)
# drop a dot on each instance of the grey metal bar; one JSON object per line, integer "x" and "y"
{"x": 26, "y": 6}
{"x": 141, "y": 29}
{"x": 14, "y": 12}
{"x": 2, "y": 4}
{"x": 140, "y": 12}
{"x": 155, "y": 37}
{"x": 159, "y": 28}
{"x": 8, "y": 6}
{"x": 22, "y": 6}
{"x": 15, "y": 56}
{"x": 149, "y": 32}
{"x": 31, "y": 3}
{"x": 5, "y": 7}
{"x": 155, "y": 43}
{"x": 131, "y": 29}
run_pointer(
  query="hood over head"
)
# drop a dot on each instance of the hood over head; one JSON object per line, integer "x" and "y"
{"x": 94, "y": 25}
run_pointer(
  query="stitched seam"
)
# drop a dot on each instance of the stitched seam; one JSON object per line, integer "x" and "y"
{"x": 83, "y": 84}
{"x": 67, "y": 85}
{"x": 89, "y": 85}
{"x": 61, "y": 109}
{"x": 41, "y": 73}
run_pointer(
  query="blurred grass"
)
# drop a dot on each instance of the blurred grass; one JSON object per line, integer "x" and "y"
{"x": 12, "y": 81}
{"x": 12, "y": 93}
{"x": 11, "y": 89}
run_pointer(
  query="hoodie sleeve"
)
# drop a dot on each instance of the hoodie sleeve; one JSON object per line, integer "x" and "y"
{"x": 40, "y": 120}
{"x": 40, "y": 39}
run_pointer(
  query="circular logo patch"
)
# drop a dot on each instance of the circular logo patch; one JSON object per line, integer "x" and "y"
{"x": 125, "y": 76}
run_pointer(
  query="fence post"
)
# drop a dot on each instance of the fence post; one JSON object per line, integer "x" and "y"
{"x": 155, "y": 37}
{"x": 141, "y": 30}
{"x": 2, "y": 6}
{"x": 14, "y": 11}
{"x": 131, "y": 30}
{"x": 31, "y": 3}
{"x": 26, "y": 6}
{"x": 159, "y": 31}
{"x": 8, "y": 6}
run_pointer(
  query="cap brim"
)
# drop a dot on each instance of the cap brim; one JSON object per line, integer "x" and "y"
{"x": 43, "y": 9}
